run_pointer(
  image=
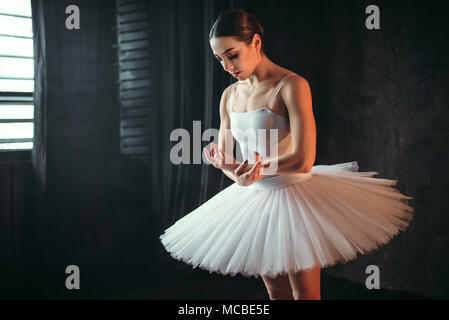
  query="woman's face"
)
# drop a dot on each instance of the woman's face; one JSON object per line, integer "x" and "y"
{"x": 235, "y": 56}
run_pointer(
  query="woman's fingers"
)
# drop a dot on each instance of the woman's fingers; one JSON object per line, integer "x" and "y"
{"x": 223, "y": 157}
{"x": 259, "y": 170}
{"x": 241, "y": 167}
{"x": 208, "y": 157}
{"x": 219, "y": 156}
{"x": 217, "y": 153}
{"x": 257, "y": 174}
{"x": 253, "y": 172}
{"x": 214, "y": 153}
{"x": 266, "y": 164}
{"x": 256, "y": 156}
{"x": 206, "y": 154}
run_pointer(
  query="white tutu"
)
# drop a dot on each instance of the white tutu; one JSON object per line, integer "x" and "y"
{"x": 289, "y": 223}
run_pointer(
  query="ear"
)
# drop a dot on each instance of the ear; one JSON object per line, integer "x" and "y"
{"x": 257, "y": 42}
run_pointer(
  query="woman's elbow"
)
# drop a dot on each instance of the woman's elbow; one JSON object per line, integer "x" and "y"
{"x": 304, "y": 166}
{"x": 305, "y": 169}
{"x": 308, "y": 169}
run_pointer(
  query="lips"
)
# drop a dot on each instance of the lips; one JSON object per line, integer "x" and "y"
{"x": 236, "y": 74}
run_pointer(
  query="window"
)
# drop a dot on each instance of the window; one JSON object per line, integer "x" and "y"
{"x": 16, "y": 75}
{"x": 134, "y": 78}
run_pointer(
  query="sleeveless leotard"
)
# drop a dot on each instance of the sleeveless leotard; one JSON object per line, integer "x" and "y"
{"x": 254, "y": 129}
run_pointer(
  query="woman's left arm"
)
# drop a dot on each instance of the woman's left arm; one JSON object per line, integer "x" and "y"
{"x": 298, "y": 100}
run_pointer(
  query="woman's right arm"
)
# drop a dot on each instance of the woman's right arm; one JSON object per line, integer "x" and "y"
{"x": 225, "y": 138}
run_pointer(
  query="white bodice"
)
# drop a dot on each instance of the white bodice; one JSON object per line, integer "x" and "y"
{"x": 256, "y": 130}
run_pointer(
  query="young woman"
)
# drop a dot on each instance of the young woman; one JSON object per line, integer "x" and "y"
{"x": 284, "y": 226}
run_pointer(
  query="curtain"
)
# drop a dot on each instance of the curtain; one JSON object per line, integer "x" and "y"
{"x": 189, "y": 83}
{"x": 379, "y": 98}
{"x": 75, "y": 157}
{"x": 39, "y": 151}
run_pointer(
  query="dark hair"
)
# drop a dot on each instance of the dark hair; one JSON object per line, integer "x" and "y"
{"x": 237, "y": 23}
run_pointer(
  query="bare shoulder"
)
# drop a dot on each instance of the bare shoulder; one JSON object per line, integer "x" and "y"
{"x": 224, "y": 102}
{"x": 227, "y": 91}
{"x": 295, "y": 85}
{"x": 297, "y": 96}
{"x": 295, "y": 80}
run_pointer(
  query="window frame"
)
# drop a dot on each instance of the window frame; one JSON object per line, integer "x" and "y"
{"x": 19, "y": 98}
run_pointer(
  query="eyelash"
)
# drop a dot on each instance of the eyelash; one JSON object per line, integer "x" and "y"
{"x": 230, "y": 58}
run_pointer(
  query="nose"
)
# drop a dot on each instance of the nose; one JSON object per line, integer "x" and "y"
{"x": 226, "y": 66}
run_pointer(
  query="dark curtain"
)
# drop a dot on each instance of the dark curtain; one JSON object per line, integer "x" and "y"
{"x": 380, "y": 97}
{"x": 39, "y": 151}
{"x": 188, "y": 83}
{"x": 75, "y": 157}
{"x": 94, "y": 203}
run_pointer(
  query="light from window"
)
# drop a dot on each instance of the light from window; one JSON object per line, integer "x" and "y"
{"x": 16, "y": 75}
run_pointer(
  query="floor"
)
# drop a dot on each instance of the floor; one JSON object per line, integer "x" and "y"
{"x": 137, "y": 283}
{"x": 203, "y": 285}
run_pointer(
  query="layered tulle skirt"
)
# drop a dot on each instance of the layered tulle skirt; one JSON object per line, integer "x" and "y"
{"x": 290, "y": 223}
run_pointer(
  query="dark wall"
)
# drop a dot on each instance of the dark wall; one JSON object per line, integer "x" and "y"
{"x": 380, "y": 97}
{"x": 17, "y": 201}
{"x": 92, "y": 205}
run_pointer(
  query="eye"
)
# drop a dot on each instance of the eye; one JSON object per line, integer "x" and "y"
{"x": 234, "y": 56}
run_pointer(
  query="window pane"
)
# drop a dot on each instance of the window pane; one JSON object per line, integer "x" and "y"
{"x": 16, "y": 111}
{"x": 22, "y": 7}
{"x": 16, "y": 67}
{"x": 16, "y": 26}
{"x": 11, "y": 44}
{"x": 16, "y": 46}
{"x": 11, "y": 85}
{"x": 16, "y": 146}
{"x": 16, "y": 130}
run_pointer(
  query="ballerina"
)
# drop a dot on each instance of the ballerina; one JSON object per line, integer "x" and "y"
{"x": 288, "y": 225}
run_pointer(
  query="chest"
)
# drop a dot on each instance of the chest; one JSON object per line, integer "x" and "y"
{"x": 247, "y": 100}
{"x": 259, "y": 122}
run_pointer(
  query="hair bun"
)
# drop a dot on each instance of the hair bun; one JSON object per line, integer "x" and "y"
{"x": 237, "y": 23}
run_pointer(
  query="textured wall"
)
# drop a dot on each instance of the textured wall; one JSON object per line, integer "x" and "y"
{"x": 380, "y": 97}
{"x": 94, "y": 197}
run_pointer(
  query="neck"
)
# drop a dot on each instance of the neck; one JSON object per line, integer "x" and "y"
{"x": 264, "y": 71}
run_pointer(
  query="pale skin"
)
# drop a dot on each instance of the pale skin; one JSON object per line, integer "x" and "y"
{"x": 258, "y": 74}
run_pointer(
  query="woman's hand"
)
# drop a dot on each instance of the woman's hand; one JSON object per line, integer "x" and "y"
{"x": 218, "y": 158}
{"x": 246, "y": 177}
{"x": 246, "y": 174}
